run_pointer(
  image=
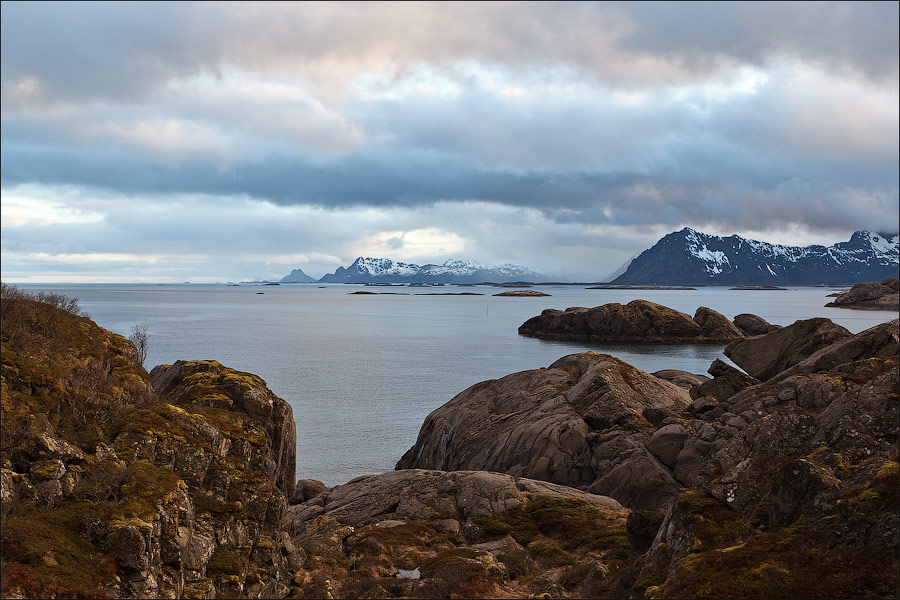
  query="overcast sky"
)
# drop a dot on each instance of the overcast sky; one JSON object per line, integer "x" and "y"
{"x": 216, "y": 142}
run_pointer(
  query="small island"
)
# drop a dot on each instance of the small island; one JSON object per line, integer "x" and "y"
{"x": 638, "y": 321}
{"x": 745, "y": 288}
{"x": 523, "y": 293}
{"x": 869, "y": 296}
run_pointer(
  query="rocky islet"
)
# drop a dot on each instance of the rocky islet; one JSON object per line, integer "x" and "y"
{"x": 870, "y": 296}
{"x": 638, "y": 321}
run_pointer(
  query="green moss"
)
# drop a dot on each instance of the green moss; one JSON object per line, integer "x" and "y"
{"x": 574, "y": 523}
{"x": 145, "y": 487}
{"x": 714, "y": 524}
{"x": 493, "y": 528}
{"x": 47, "y": 470}
{"x": 461, "y": 572}
{"x": 227, "y": 562}
{"x": 245, "y": 380}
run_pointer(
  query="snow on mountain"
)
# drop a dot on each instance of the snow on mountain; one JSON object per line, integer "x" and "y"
{"x": 693, "y": 257}
{"x": 379, "y": 267}
{"x": 454, "y": 267}
{"x": 384, "y": 270}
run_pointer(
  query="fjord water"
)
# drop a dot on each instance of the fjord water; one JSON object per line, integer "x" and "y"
{"x": 363, "y": 371}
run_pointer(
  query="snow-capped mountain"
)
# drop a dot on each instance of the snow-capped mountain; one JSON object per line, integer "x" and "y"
{"x": 690, "y": 257}
{"x": 384, "y": 270}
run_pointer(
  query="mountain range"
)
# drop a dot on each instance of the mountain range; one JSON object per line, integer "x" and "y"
{"x": 385, "y": 270}
{"x": 690, "y": 257}
{"x": 685, "y": 257}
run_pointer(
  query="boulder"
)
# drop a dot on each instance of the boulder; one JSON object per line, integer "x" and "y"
{"x": 681, "y": 378}
{"x": 767, "y": 355}
{"x": 753, "y": 325}
{"x": 572, "y": 424}
{"x": 637, "y": 321}
{"x": 243, "y": 393}
{"x": 306, "y": 489}
{"x": 726, "y": 382}
{"x": 807, "y": 462}
{"x": 714, "y": 325}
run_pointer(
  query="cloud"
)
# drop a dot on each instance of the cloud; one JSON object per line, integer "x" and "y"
{"x": 326, "y": 129}
{"x": 127, "y": 51}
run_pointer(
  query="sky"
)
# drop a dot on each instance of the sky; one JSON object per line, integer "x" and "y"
{"x": 169, "y": 142}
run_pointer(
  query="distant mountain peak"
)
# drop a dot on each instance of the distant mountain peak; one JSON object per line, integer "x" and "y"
{"x": 689, "y": 256}
{"x": 297, "y": 276}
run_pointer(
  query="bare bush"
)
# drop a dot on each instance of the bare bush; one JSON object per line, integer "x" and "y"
{"x": 70, "y": 305}
{"x": 140, "y": 335}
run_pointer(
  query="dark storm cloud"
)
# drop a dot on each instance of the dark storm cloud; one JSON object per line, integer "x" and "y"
{"x": 411, "y": 181}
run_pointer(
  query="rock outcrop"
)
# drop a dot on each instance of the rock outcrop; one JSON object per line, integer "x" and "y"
{"x": 112, "y": 489}
{"x": 765, "y": 356}
{"x": 871, "y": 296}
{"x": 637, "y": 321}
{"x": 579, "y": 422}
{"x": 425, "y": 534}
{"x": 801, "y": 501}
{"x": 789, "y": 484}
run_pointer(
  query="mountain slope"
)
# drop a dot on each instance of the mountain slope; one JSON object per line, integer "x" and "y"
{"x": 384, "y": 270}
{"x": 297, "y": 276}
{"x": 693, "y": 257}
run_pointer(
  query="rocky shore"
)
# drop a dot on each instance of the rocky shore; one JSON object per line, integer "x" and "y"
{"x": 784, "y": 476}
{"x": 589, "y": 478}
{"x": 870, "y": 296}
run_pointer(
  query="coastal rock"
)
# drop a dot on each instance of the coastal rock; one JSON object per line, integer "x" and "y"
{"x": 880, "y": 341}
{"x": 572, "y": 423}
{"x": 870, "y": 296}
{"x": 305, "y": 489}
{"x": 111, "y": 488}
{"x": 637, "y": 321}
{"x": 767, "y": 355}
{"x": 681, "y": 378}
{"x": 715, "y": 326}
{"x": 726, "y": 382}
{"x": 805, "y": 461}
{"x": 753, "y": 325}
{"x": 434, "y": 496}
{"x": 421, "y": 533}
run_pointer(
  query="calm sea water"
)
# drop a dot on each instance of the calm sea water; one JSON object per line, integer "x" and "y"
{"x": 363, "y": 371}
